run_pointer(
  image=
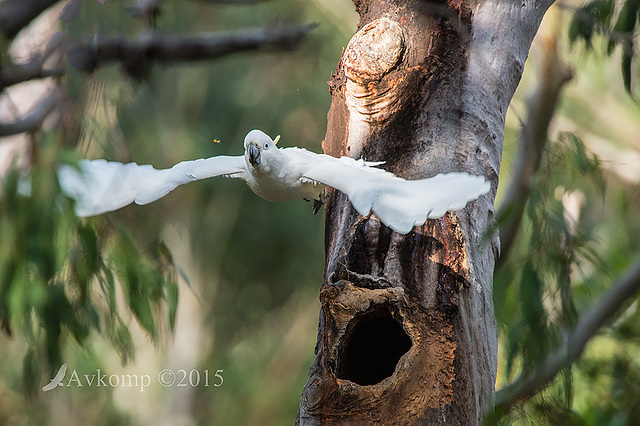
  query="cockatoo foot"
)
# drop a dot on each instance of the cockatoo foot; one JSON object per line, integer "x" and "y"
{"x": 319, "y": 203}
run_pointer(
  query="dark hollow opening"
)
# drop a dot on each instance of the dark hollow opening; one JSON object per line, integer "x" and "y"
{"x": 371, "y": 348}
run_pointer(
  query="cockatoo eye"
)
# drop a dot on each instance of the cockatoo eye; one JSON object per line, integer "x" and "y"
{"x": 266, "y": 145}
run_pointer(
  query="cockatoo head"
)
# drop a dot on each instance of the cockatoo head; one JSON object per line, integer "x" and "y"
{"x": 259, "y": 150}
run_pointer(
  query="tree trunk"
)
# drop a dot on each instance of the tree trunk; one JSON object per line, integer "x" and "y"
{"x": 407, "y": 333}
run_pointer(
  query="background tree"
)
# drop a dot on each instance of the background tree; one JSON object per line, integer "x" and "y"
{"x": 566, "y": 338}
{"x": 248, "y": 300}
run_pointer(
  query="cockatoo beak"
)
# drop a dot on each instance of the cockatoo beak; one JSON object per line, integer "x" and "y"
{"x": 254, "y": 154}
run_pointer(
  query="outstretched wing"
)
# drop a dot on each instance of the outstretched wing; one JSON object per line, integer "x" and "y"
{"x": 100, "y": 186}
{"x": 400, "y": 204}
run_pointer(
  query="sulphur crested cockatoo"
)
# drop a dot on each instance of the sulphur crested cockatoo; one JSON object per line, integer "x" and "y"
{"x": 276, "y": 174}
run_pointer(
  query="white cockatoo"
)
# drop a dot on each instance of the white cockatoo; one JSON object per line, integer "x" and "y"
{"x": 276, "y": 174}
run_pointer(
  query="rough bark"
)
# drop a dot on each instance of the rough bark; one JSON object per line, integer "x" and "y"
{"x": 407, "y": 333}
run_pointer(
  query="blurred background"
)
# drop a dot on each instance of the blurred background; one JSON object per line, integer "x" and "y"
{"x": 213, "y": 278}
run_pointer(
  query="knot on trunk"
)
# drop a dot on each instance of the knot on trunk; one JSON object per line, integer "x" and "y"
{"x": 372, "y": 54}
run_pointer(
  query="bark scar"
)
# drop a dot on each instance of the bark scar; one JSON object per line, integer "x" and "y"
{"x": 371, "y": 94}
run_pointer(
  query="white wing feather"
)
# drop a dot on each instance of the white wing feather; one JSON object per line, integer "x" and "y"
{"x": 400, "y": 204}
{"x": 101, "y": 186}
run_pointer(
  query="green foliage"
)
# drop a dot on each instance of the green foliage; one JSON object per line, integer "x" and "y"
{"x": 600, "y": 16}
{"x": 562, "y": 260}
{"x": 253, "y": 267}
{"x": 616, "y": 390}
{"x": 591, "y": 17}
{"x": 60, "y": 276}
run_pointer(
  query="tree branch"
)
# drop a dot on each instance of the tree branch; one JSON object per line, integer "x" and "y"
{"x": 137, "y": 56}
{"x": 553, "y": 75}
{"x": 35, "y": 117}
{"x": 88, "y": 54}
{"x": 14, "y": 74}
{"x": 11, "y": 73}
{"x": 574, "y": 344}
{"x": 16, "y": 14}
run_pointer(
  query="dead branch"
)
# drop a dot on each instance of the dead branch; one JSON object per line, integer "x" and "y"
{"x": 88, "y": 54}
{"x": 14, "y": 74}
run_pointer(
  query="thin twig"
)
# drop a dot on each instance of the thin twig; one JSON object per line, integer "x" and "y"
{"x": 573, "y": 346}
{"x": 35, "y": 117}
{"x": 14, "y": 74}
